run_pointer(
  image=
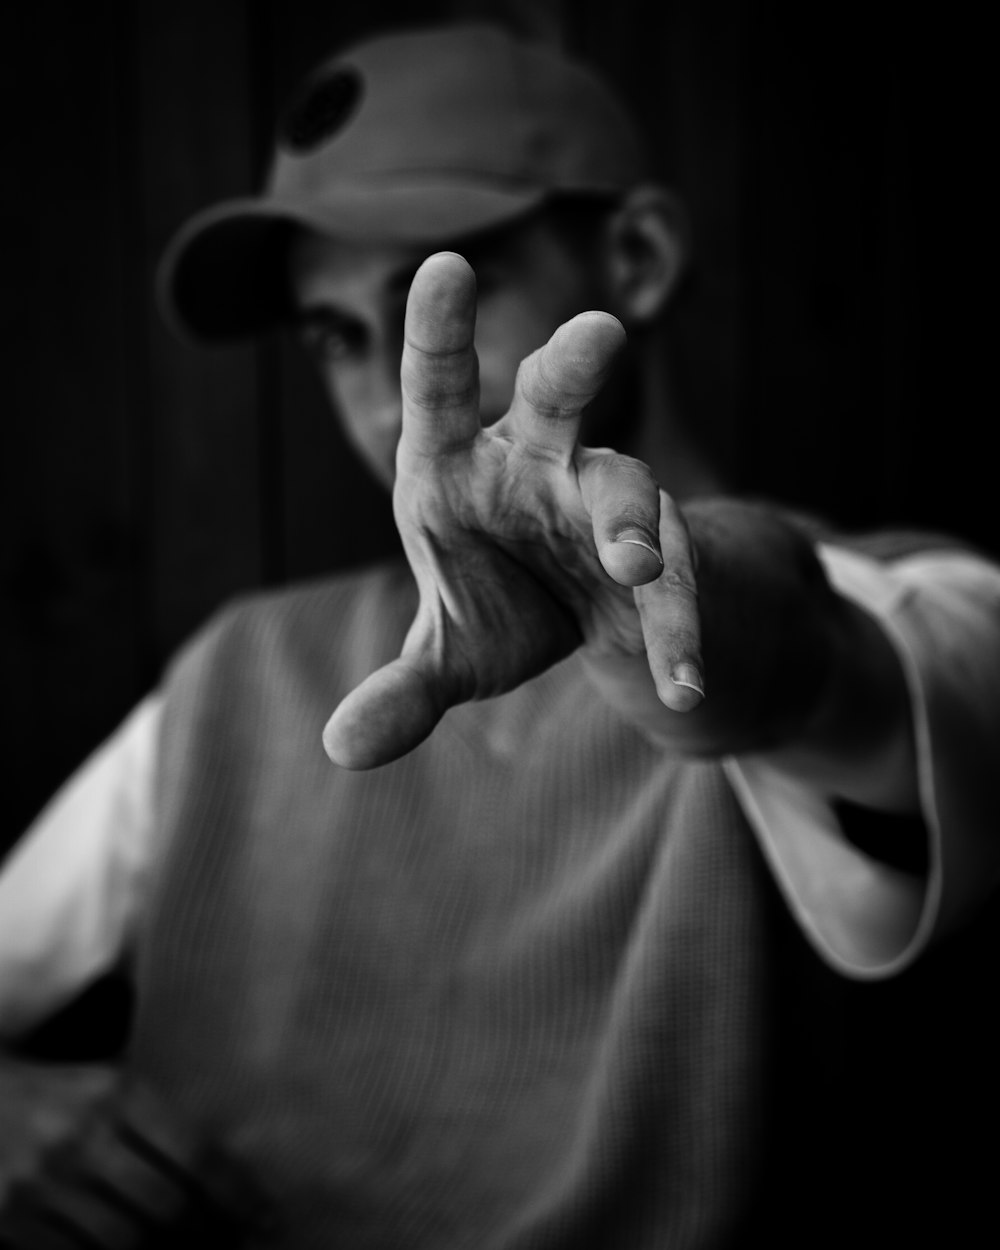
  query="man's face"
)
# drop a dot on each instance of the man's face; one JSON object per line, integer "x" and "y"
{"x": 351, "y": 299}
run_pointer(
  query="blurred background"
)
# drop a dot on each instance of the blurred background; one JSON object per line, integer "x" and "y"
{"x": 826, "y": 339}
{"x": 836, "y": 345}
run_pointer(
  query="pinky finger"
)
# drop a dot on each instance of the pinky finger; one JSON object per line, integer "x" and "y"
{"x": 668, "y": 610}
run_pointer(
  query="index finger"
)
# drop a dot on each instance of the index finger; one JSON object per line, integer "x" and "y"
{"x": 439, "y": 373}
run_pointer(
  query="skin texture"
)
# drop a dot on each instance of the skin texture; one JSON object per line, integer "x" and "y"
{"x": 526, "y": 544}
{"x": 523, "y": 543}
{"x": 352, "y": 300}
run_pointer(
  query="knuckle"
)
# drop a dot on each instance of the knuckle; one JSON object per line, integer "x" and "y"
{"x": 626, "y": 469}
{"x": 440, "y": 397}
{"x": 630, "y": 515}
{"x": 550, "y": 388}
{"x": 679, "y": 583}
{"x": 439, "y": 380}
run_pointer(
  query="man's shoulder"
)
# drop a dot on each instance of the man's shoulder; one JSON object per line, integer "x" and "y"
{"x": 386, "y": 585}
{"x": 360, "y": 610}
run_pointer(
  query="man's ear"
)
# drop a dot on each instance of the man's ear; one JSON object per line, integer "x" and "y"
{"x": 647, "y": 251}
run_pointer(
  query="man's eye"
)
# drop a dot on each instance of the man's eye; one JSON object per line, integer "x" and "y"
{"x": 333, "y": 340}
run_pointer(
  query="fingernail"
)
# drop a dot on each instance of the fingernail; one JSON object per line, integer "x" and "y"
{"x": 687, "y": 675}
{"x": 638, "y": 539}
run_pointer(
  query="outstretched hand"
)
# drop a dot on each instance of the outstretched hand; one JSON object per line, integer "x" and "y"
{"x": 524, "y": 545}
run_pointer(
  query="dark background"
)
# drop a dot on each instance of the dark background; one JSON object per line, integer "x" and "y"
{"x": 821, "y": 151}
{"x": 836, "y": 161}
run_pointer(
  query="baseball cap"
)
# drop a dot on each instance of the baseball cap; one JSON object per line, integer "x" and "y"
{"x": 420, "y": 136}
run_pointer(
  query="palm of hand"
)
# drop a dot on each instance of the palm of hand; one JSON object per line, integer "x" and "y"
{"x": 523, "y": 544}
{"x": 510, "y": 580}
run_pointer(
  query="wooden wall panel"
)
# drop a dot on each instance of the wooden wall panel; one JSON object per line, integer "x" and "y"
{"x": 817, "y": 194}
{"x": 683, "y": 69}
{"x": 70, "y": 492}
{"x": 193, "y": 88}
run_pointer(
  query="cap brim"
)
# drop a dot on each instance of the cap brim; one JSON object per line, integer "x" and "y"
{"x": 223, "y": 275}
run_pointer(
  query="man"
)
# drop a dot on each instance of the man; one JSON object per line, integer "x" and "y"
{"x": 502, "y": 973}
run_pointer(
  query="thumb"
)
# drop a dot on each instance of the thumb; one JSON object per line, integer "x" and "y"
{"x": 389, "y": 714}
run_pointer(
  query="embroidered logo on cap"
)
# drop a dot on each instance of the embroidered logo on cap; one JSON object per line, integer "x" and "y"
{"x": 321, "y": 110}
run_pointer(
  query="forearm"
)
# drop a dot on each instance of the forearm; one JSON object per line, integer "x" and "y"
{"x": 792, "y": 669}
{"x": 858, "y": 743}
{"x": 130, "y": 1178}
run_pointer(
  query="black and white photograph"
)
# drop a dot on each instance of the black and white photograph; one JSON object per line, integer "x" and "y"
{"x": 500, "y": 621}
